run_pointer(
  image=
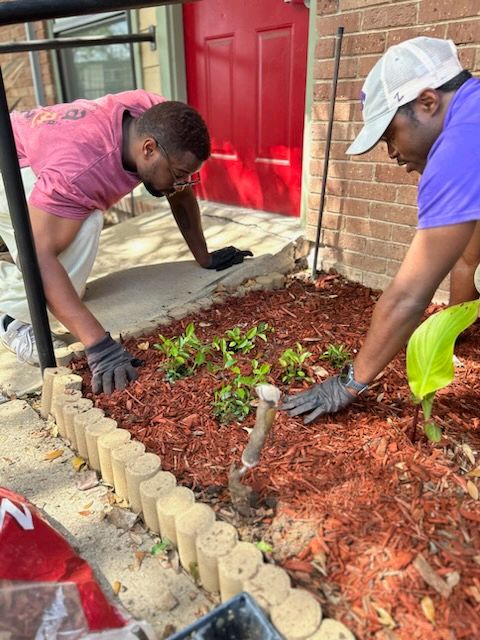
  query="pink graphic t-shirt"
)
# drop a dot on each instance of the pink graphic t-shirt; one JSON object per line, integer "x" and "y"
{"x": 75, "y": 151}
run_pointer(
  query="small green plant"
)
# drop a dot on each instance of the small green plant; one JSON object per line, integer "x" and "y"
{"x": 337, "y": 355}
{"x": 292, "y": 362}
{"x": 236, "y": 341}
{"x": 233, "y": 401}
{"x": 430, "y": 359}
{"x": 161, "y": 547}
{"x": 264, "y": 546}
{"x": 183, "y": 354}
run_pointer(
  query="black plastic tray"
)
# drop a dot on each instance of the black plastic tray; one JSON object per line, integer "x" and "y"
{"x": 240, "y": 618}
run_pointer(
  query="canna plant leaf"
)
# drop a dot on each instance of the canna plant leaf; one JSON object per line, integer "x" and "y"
{"x": 430, "y": 350}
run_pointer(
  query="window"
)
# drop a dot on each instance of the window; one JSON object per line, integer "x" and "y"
{"x": 91, "y": 72}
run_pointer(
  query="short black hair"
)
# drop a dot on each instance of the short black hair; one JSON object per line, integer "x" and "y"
{"x": 449, "y": 86}
{"x": 178, "y": 127}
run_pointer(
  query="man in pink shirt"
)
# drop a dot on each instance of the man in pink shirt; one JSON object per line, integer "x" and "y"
{"x": 78, "y": 160}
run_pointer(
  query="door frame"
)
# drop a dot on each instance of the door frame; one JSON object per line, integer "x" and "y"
{"x": 171, "y": 45}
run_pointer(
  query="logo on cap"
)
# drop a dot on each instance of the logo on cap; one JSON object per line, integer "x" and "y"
{"x": 363, "y": 97}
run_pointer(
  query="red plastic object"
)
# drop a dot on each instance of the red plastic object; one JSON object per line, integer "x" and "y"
{"x": 32, "y": 551}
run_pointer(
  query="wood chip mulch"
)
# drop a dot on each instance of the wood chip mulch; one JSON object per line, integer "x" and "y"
{"x": 395, "y": 548}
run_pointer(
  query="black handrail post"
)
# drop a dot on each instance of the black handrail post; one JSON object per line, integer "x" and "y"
{"x": 27, "y": 256}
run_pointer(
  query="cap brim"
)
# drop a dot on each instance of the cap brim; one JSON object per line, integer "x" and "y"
{"x": 370, "y": 134}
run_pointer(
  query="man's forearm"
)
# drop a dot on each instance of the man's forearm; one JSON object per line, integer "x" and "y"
{"x": 65, "y": 304}
{"x": 186, "y": 212}
{"x": 393, "y": 321}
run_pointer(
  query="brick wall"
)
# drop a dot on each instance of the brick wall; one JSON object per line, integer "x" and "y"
{"x": 370, "y": 208}
{"x": 17, "y": 72}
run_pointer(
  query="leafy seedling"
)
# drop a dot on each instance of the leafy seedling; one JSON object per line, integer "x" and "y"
{"x": 183, "y": 354}
{"x": 337, "y": 355}
{"x": 236, "y": 341}
{"x": 264, "y": 546}
{"x": 161, "y": 547}
{"x": 292, "y": 362}
{"x": 430, "y": 359}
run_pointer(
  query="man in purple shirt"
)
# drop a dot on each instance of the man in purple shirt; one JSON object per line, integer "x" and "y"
{"x": 426, "y": 108}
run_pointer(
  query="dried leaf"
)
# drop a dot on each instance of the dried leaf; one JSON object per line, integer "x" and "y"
{"x": 85, "y": 513}
{"x": 319, "y": 371}
{"x": 380, "y": 397}
{"x": 467, "y": 450}
{"x": 139, "y": 557}
{"x": 476, "y": 559}
{"x": 384, "y": 617}
{"x": 116, "y": 586}
{"x": 472, "y": 489}
{"x": 87, "y": 480}
{"x": 474, "y": 473}
{"x": 53, "y": 455}
{"x": 78, "y": 463}
{"x": 428, "y": 608}
{"x": 143, "y": 346}
{"x": 88, "y": 505}
{"x": 452, "y": 579}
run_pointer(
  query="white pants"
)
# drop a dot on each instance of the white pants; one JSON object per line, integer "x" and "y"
{"x": 77, "y": 259}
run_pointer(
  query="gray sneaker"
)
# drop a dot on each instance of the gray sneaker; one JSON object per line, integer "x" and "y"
{"x": 19, "y": 339}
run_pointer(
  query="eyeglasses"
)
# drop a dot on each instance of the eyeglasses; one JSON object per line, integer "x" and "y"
{"x": 178, "y": 185}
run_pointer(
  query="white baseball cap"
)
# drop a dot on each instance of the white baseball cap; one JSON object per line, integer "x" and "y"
{"x": 401, "y": 74}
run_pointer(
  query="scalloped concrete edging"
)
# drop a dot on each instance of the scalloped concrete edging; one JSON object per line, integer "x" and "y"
{"x": 205, "y": 545}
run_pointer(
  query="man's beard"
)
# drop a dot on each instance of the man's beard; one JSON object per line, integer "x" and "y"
{"x": 155, "y": 192}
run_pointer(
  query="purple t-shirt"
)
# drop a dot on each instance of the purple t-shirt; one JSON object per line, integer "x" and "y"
{"x": 449, "y": 189}
{"x": 75, "y": 151}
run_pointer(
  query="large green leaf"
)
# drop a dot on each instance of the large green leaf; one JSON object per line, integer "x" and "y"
{"x": 430, "y": 348}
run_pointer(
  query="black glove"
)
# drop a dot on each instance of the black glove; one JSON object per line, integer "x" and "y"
{"x": 227, "y": 257}
{"x": 327, "y": 397}
{"x": 111, "y": 365}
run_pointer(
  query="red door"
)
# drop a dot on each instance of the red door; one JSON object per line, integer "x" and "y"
{"x": 246, "y": 69}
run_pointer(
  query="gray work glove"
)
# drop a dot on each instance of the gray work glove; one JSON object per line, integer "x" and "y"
{"x": 327, "y": 397}
{"x": 111, "y": 365}
{"x": 228, "y": 256}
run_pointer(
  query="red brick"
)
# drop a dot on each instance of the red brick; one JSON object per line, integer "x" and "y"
{"x": 370, "y": 228}
{"x": 399, "y": 35}
{"x": 360, "y": 44}
{"x": 391, "y": 212}
{"x": 329, "y": 237}
{"x": 327, "y": 26}
{"x": 403, "y": 234}
{"x": 323, "y": 69}
{"x": 351, "y": 242}
{"x": 383, "y": 249}
{"x": 392, "y": 267}
{"x": 332, "y": 221}
{"x": 467, "y": 57}
{"x": 326, "y": 6}
{"x": 350, "y": 170}
{"x": 447, "y": 10}
{"x": 393, "y": 173}
{"x": 325, "y": 48}
{"x": 371, "y": 191}
{"x": 346, "y": 5}
{"x": 366, "y": 64}
{"x": 343, "y": 111}
{"x": 364, "y": 262}
{"x": 346, "y": 89}
{"x": 393, "y": 15}
{"x": 464, "y": 32}
{"x": 376, "y": 281}
{"x": 407, "y": 194}
{"x": 349, "y": 206}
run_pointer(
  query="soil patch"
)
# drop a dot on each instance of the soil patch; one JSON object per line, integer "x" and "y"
{"x": 383, "y": 532}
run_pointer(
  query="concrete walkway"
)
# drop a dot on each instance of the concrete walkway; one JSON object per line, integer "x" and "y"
{"x": 144, "y": 269}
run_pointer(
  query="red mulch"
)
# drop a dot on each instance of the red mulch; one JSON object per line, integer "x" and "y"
{"x": 376, "y": 500}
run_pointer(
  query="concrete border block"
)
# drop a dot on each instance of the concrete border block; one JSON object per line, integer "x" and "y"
{"x": 70, "y": 410}
{"x": 136, "y": 471}
{"x": 241, "y": 564}
{"x": 331, "y": 629}
{"x": 189, "y": 525}
{"x": 69, "y": 396}
{"x": 286, "y": 619}
{"x": 77, "y": 349}
{"x": 105, "y": 444}
{"x": 93, "y": 431}
{"x": 49, "y": 374}
{"x": 158, "y": 486}
{"x": 120, "y": 457}
{"x": 80, "y": 422}
{"x": 213, "y": 543}
{"x": 270, "y": 586}
{"x": 176, "y": 502}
